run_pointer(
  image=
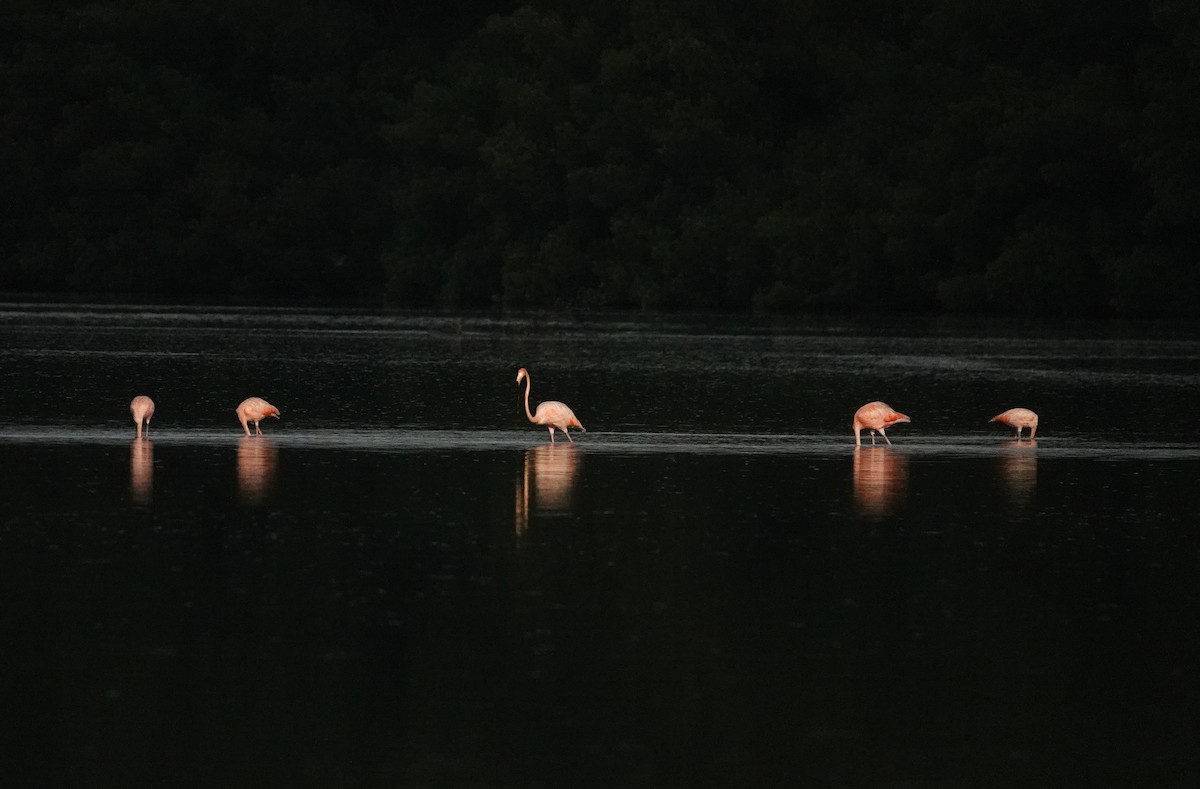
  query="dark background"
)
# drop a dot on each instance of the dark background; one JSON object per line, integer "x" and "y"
{"x": 927, "y": 156}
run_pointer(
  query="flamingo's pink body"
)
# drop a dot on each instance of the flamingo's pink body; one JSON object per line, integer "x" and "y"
{"x": 876, "y": 416}
{"x": 551, "y": 413}
{"x": 142, "y": 408}
{"x": 255, "y": 409}
{"x": 1019, "y": 418}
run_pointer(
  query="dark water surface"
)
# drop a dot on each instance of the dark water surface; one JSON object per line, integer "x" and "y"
{"x": 403, "y": 584}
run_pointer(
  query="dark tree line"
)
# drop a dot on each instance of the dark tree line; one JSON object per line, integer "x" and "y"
{"x": 957, "y": 155}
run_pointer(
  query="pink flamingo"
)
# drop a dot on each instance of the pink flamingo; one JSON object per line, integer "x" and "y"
{"x": 876, "y": 416}
{"x": 551, "y": 413}
{"x": 255, "y": 409}
{"x": 142, "y": 408}
{"x": 1018, "y": 418}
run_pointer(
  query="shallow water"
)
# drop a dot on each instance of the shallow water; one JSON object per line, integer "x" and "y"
{"x": 404, "y": 583}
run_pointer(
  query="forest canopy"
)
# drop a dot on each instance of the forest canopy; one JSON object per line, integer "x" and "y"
{"x": 784, "y": 155}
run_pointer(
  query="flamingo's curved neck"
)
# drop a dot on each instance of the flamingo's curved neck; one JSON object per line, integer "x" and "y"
{"x": 528, "y": 383}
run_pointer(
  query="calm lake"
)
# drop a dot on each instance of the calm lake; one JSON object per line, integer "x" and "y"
{"x": 403, "y": 584}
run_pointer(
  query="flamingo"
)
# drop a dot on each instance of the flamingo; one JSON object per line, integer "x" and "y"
{"x": 255, "y": 409}
{"x": 1018, "y": 418}
{"x": 876, "y": 416}
{"x": 142, "y": 408}
{"x": 551, "y": 413}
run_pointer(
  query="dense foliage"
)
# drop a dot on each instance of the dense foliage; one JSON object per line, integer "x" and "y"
{"x": 1020, "y": 156}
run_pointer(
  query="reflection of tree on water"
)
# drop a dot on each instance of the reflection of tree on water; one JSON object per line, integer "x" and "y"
{"x": 257, "y": 457}
{"x": 1018, "y": 467}
{"x": 141, "y": 470}
{"x": 880, "y": 480}
{"x": 547, "y": 479}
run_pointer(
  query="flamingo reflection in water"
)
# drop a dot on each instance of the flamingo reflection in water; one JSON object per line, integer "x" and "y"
{"x": 141, "y": 470}
{"x": 547, "y": 481}
{"x": 1018, "y": 468}
{"x": 257, "y": 458}
{"x": 880, "y": 480}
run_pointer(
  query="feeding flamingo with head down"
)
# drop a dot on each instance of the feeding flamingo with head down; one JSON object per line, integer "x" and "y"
{"x": 551, "y": 413}
{"x": 1018, "y": 418}
{"x": 255, "y": 409}
{"x": 142, "y": 408}
{"x": 876, "y": 416}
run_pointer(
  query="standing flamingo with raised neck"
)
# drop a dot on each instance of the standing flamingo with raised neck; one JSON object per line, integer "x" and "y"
{"x": 551, "y": 413}
{"x": 255, "y": 409}
{"x": 876, "y": 416}
{"x": 1018, "y": 418}
{"x": 142, "y": 408}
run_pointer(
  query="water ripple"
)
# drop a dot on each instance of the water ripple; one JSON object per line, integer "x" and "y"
{"x": 616, "y": 443}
